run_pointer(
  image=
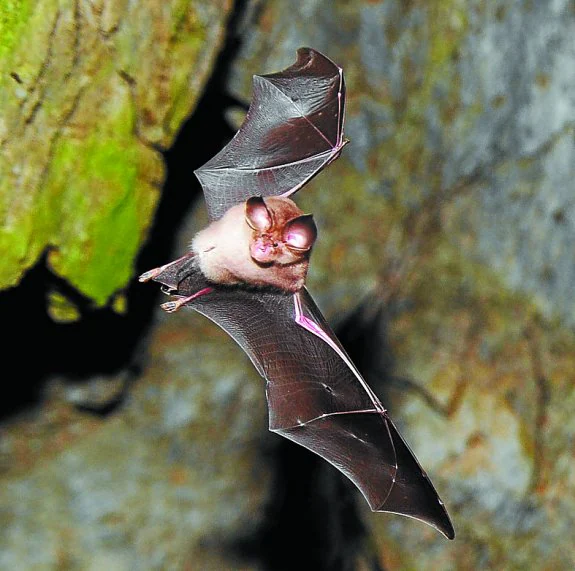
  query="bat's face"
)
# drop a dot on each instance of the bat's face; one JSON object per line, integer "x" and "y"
{"x": 281, "y": 233}
{"x": 262, "y": 243}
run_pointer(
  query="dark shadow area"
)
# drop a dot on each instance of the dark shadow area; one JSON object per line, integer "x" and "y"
{"x": 312, "y": 521}
{"x": 102, "y": 342}
{"x": 364, "y": 334}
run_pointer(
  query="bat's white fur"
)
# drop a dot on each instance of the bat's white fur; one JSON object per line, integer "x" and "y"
{"x": 224, "y": 249}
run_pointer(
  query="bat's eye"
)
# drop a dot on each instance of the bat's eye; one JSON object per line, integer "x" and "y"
{"x": 300, "y": 233}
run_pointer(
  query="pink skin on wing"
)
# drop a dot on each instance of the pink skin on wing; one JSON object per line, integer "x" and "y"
{"x": 310, "y": 325}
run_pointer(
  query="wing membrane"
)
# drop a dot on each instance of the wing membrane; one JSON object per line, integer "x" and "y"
{"x": 293, "y": 128}
{"x": 315, "y": 399}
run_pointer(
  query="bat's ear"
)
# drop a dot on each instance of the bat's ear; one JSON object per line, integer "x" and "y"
{"x": 300, "y": 233}
{"x": 258, "y": 216}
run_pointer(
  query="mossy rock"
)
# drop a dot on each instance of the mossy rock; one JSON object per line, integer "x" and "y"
{"x": 90, "y": 95}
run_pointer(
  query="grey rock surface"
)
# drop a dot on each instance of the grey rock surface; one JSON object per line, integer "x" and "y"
{"x": 452, "y": 209}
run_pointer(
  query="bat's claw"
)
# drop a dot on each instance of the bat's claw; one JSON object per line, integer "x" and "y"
{"x": 149, "y": 275}
{"x": 154, "y": 273}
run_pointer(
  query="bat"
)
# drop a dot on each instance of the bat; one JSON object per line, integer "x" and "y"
{"x": 246, "y": 272}
{"x": 279, "y": 238}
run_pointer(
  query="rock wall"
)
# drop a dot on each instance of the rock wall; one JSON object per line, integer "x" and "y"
{"x": 448, "y": 222}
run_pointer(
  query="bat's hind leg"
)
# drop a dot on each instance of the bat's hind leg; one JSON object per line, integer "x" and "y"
{"x": 172, "y": 306}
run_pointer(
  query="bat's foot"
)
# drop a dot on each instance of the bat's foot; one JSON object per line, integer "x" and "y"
{"x": 173, "y": 306}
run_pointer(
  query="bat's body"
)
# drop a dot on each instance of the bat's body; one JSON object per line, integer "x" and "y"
{"x": 246, "y": 272}
{"x": 260, "y": 244}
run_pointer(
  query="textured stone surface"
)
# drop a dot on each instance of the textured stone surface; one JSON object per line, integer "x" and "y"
{"x": 452, "y": 208}
{"x": 167, "y": 482}
{"x": 453, "y": 201}
{"x": 89, "y": 93}
{"x": 516, "y": 70}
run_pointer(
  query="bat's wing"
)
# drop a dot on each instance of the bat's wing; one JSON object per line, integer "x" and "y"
{"x": 293, "y": 128}
{"x": 316, "y": 397}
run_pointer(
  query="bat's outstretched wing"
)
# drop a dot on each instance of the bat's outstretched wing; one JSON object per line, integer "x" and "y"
{"x": 293, "y": 128}
{"x": 315, "y": 395}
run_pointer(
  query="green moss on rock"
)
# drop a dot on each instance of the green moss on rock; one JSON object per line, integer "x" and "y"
{"x": 89, "y": 93}
{"x": 14, "y": 15}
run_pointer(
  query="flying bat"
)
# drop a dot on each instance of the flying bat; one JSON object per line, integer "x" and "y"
{"x": 246, "y": 272}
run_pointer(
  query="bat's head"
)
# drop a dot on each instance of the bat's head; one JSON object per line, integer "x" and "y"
{"x": 282, "y": 233}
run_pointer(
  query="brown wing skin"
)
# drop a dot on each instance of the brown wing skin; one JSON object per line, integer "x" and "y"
{"x": 314, "y": 397}
{"x": 293, "y": 128}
